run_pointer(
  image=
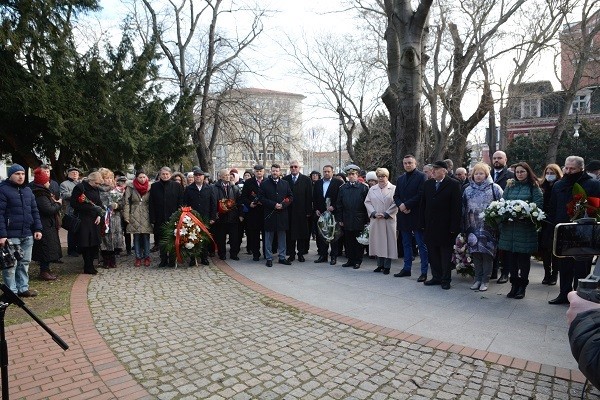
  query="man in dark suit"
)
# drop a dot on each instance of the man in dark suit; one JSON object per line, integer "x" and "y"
{"x": 500, "y": 175}
{"x": 276, "y": 196}
{"x": 227, "y": 218}
{"x": 255, "y": 218}
{"x": 440, "y": 218}
{"x": 326, "y": 188}
{"x": 166, "y": 196}
{"x": 202, "y": 199}
{"x": 408, "y": 199}
{"x": 300, "y": 211}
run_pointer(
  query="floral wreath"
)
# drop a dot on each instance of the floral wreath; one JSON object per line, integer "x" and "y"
{"x": 185, "y": 233}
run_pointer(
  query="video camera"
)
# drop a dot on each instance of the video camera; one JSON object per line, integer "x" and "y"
{"x": 581, "y": 240}
{"x": 10, "y": 255}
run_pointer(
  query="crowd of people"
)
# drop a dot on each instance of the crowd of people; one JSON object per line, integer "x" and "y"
{"x": 422, "y": 213}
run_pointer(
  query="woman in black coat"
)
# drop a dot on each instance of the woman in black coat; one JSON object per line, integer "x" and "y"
{"x": 48, "y": 249}
{"x": 552, "y": 174}
{"x": 86, "y": 204}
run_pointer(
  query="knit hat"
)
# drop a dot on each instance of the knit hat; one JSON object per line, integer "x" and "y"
{"x": 371, "y": 176}
{"x": 40, "y": 176}
{"x": 14, "y": 168}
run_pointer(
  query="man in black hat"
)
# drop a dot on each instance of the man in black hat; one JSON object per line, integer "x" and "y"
{"x": 255, "y": 216}
{"x": 440, "y": 214}
{"x": 300, "y": 212}
{"x": 66, "y": 188}
{"x": 593, "y": 169}
{"x": 202, "y": 199}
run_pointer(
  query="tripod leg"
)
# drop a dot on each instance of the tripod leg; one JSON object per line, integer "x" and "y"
{"x": 3, "y": 353}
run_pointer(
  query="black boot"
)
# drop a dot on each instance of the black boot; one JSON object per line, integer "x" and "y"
{"x": 547, "y": 275}
{"x": 494, "y": 274}
{"x": 520, "y": 292}
{"x": 553, "y": 278}
{"x": 513, "y": 289}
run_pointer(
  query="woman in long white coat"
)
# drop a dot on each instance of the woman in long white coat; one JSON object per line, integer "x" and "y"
{"x": 382, "y": 230}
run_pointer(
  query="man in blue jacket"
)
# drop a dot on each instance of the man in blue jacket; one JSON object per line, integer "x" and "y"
{"x": 20, "y": 224}
{"x": 408, "y": 199}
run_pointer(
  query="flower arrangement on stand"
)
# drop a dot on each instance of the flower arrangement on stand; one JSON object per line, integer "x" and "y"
{"x": 513, "y": 210}
{"x": 186, "y": 233}
{"x": 582, "y": 205}
{"x": 461, "y": 256}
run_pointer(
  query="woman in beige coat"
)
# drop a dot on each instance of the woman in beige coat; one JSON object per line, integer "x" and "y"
{"x": 137, "y": 215}
{"x": 382, "y": 229}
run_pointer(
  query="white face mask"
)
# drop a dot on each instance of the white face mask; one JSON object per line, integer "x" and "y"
{"x": 550, "y": 177}
{"x": 594, "y": 176}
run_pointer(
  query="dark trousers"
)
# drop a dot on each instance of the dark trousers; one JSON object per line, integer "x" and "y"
{"x": 570, "y": 271}
{"x": 253, "y": 240}
{"x": 88, "y": 254}
{"x": 127, "y": 236}
{"x": 518, "y": 265}
{"x": 165, "y": 257}
{"x": 221, "y": 231}
{"x": 354, "y": 250}
{"x": 72, "y": 249}
{"x": 550, "y": 266}
{"x": 323, "y": 247}
{"x": 293, "y": 245}
{"x": 440, "y": 258}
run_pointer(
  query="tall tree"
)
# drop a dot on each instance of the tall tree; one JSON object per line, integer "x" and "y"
{"x": 204, "y": 60}
{"x": 372, "y": 148}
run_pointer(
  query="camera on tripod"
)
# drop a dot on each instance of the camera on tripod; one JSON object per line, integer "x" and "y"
{"x": 581, "y": 240}
{"x": 10, "y": 255}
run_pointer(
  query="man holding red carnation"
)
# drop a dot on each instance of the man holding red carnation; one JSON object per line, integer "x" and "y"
{"x": 570, "y": 270}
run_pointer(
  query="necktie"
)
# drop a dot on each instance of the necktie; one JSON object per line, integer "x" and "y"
{"x": 437, "y": 186}
{"x": 258, "y": 183}
{"x": 496, "y": 175}
{"x": 294, "y": 177}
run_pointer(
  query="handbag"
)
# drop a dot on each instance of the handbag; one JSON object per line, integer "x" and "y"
{"x": 71, "y": 223}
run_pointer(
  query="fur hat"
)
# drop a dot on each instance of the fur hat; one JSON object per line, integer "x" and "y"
{"x": 40, "y": 176}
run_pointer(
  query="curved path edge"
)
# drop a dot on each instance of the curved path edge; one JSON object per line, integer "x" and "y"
{"x": 496, "y": 358}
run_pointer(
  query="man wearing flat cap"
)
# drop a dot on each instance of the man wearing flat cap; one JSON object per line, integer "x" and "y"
{"x": 299, "y": 213}
{"x": 440, "y": 213}
{"x": 352, "y": 215}
{"x": 255, "y": 217}
{"x": 202, "y": 199}
{"x": 66, "y": 188}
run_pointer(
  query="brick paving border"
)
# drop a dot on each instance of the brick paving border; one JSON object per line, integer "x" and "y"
{"x": 517, "y": 363}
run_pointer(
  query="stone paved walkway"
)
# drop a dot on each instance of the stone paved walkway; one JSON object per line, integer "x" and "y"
{"x": 195, "y": 333}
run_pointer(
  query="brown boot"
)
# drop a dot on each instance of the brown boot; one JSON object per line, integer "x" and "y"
{"x": 47, "y": 276}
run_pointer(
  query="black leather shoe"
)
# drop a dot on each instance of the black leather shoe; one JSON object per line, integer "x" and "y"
{"x": 284, "y": 261}
{"x": 503, "y": 278}
{"x": 559, "y": 300}
{"x": 357, "y": 266}
{"x": 422, "y": 278}
{"x": 386, "y": 271}
{"x": 520, "y": 292}
{"x": 445, "y": 286}
{"x": 236, "y": 258}
{"x": 513, "y": 292}
{"x": 291, "y": 258}
{"x": 378, "y": 269}
{"x": 269, "y": 263}
{"x": 333, "y": 261}
{"x": 301, "y": 258}
{"x": 204, "y": 261}
{"x": 402, "y": 274}
{"x": 256, "y": 258}
{"x": 347, "y": 264}
{"x": 432, "y": 282}
{"x": 321, "y": 259}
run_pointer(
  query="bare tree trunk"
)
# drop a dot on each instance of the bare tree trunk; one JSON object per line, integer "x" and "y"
{"x": 404, "y": 34}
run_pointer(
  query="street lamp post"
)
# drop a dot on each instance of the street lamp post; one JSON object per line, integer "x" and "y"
{"x": 340, "y": 139}
{"x": 576, "y": 127}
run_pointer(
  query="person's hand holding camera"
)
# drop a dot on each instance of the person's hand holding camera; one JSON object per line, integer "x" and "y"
{"x": 579, "y": 305}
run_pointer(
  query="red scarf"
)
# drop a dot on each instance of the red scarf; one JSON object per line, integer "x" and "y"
{"x": 141, "y": 188}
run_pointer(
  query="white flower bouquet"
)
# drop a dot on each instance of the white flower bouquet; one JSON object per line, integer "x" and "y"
{"x": 513, "y": 210}
{"x": 363, "y": 238}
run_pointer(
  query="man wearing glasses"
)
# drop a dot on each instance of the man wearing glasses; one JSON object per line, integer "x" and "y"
{"x": 300, "y": 211}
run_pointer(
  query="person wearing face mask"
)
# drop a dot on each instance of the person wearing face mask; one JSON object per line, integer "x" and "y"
{"x": 593, "y": 169}
{"x": 570, "y": 270}
{"x": 552, "y": 174}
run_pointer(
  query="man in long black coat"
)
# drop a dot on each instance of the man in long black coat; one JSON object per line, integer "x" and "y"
{"x": 166, "y": 196}
{"x": 408, "y": 199}
{"x": 201, "y": 197}
{"x": 255, "y": 218}
{"x": 440, "y": 218}
{"x": 227, "y": 223}
{"x": 351, "y": 212}
{"x": 500, "y": 175}
{"x": 326, "y": 188}
{"x": 300, "y": 212}
{"x": 276, "y": 196}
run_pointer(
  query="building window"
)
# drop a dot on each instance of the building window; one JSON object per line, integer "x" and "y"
{"x": 580, "y": 104}
{"x": 530, "y": 108}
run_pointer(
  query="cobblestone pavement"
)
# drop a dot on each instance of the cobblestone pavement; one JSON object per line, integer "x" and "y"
{"x": 196, "y": 333}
